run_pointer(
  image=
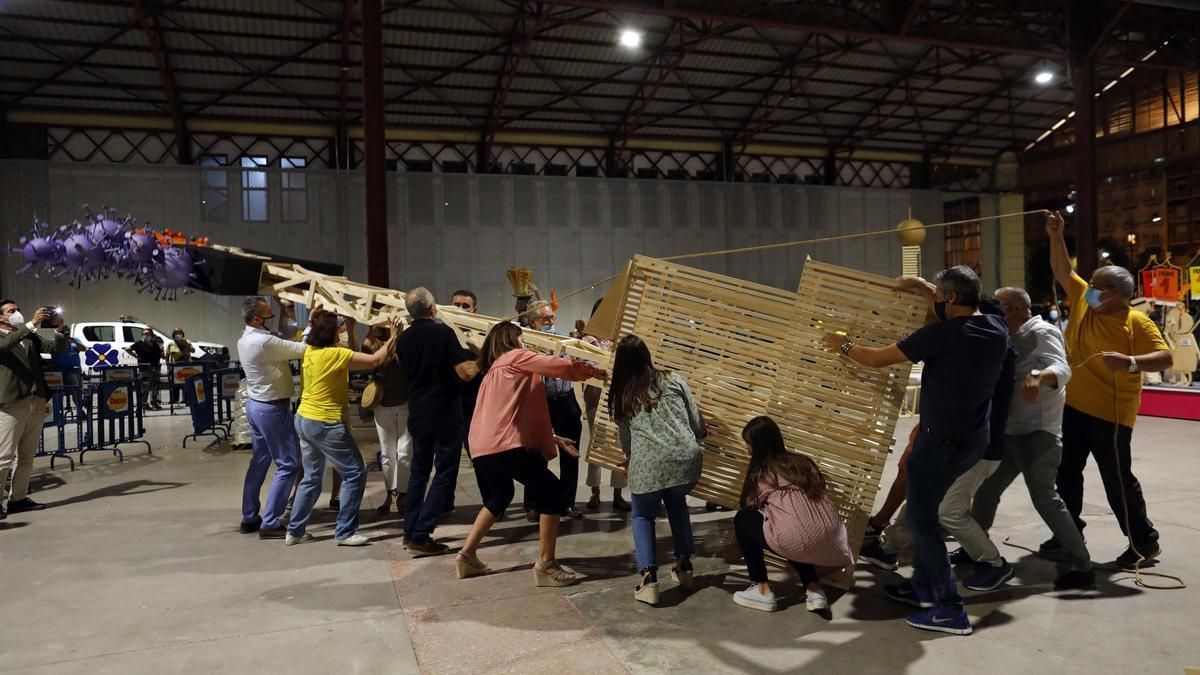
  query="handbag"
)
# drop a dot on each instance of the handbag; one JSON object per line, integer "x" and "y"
{"x": 373, "y": 392}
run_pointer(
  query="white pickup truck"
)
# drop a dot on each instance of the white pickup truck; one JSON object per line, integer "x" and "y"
{"x": 106, "y": 342}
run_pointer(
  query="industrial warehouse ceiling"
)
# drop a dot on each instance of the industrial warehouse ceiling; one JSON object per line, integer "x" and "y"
{"x": 940, "y": 76}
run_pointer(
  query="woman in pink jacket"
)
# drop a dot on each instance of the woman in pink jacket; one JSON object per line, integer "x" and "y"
{"x": 511, "y": 439}
{"x": 785, "y": 510}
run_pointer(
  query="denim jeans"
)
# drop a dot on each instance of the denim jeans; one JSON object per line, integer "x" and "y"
{"x": 273, "y": 434}
{"x": 645, "y": 509}
{"x": 435, "y": 451}
{"x": 328, "y": 440}
{"x": 933, "y": 466}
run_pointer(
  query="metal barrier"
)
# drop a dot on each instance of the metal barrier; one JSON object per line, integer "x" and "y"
{"x": 104, "y": 416}
{"x": 118, "y": 418}
{"x": 198, "y": 392}
{"x": 177, "y": 377}
{"x": 225, "y": 383}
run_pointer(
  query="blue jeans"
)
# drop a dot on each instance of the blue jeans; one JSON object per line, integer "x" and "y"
{"x": 328, "y": 440}
{"x": 645, "y": 509}
{"x": 933, "y": 465}
{"x": 435, "y": 451}
{"x": 273, "y": 436}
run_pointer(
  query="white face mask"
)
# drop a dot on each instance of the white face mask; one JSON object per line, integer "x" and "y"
{"x": 16, "y": 319}
{"x": 1053, "y": 315}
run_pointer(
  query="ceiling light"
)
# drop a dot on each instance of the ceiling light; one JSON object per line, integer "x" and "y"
{"x": 1070, "y": 208}
{"x": 1043, "y": 77}
{"x": 1156, "y": 219}
{"x": 1104, "y": 254}
{"x": 631, "y": 39}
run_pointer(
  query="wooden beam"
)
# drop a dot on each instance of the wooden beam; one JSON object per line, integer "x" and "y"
{"x": 183, "y": 141}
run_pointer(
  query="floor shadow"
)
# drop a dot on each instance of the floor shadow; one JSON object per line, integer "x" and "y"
{"x": 128, "y": 488}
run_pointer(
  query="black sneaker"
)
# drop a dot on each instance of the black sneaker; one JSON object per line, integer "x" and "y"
{"x": 989, "y": 578}
{"x": 1074, "y": 579}
{"x": 872, "y": 552}
{"x": 23, "y": 505}
{"x": 1052, "y": 547}
{"x": 1129, "y": 559}
{"x": 250, "y": 527}
{"x": 335, "y": 503}
{"x": 959, "y": 556}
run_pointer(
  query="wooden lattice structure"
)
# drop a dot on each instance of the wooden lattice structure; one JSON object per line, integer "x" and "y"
{"x": 372, "y": 305}
{"x": 747, "y": 349}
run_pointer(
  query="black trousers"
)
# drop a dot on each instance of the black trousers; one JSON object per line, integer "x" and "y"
{"x": 748, "y": 526}
{"x": 497, "y": 472}
{"x": 1085, "y": 435}
{"x": 567, "y": 419}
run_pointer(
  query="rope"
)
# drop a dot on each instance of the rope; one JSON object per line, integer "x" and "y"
{"x": 787, "y": 244}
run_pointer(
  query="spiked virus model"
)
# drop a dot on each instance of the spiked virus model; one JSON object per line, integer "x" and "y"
{"x": 41, "y": 250}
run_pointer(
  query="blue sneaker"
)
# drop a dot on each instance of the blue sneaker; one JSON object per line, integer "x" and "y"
{"x": 942, "y": 620}
{"x": 910, "y": 594}
{"x": 988, "y": 578}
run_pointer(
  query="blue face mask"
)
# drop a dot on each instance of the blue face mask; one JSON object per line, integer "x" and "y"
{"x": 1092, "y": 296}
{"x": 549, "y": 329}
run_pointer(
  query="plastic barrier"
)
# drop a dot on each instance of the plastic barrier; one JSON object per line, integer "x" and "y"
{"x": 92, "y": 417}
{"x": 198, "y": 393}
{"x": 118, "y": 418}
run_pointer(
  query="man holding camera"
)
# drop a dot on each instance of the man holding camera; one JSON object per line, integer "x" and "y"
{"x": 23, "y": 395}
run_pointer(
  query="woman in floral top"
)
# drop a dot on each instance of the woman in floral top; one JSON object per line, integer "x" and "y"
{"x": 660, "y": 429}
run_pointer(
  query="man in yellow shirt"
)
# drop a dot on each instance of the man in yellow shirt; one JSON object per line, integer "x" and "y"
{"x": 1109, "y": 345}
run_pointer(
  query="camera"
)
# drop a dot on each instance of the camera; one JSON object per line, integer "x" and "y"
{"x": 54, "y": 313}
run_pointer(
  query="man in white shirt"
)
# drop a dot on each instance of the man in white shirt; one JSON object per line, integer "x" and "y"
{"x": 1033, "y": 435}
{"x": 269, "y": 411}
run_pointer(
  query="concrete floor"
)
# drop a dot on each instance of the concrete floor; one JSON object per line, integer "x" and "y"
{"x": 137, "y": 567}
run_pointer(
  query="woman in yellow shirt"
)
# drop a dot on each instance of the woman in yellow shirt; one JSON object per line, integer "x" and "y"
{"x": 323, "y": 432}
{"x": 1109, "y": 345}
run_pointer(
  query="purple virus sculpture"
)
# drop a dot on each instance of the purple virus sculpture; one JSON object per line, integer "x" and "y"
{"x": 41, "y": 251}
{"x": 83, "y": 259}
{"x": 174, "y": 272}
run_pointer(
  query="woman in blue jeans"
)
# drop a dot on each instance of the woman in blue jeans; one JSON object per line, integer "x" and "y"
{"x": 660, "y": 429}
{"x": 322, "y": 430}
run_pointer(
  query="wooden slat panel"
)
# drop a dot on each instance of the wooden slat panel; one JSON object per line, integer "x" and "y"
{"x": 747, "y": 349}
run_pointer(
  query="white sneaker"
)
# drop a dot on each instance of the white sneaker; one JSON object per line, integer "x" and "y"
{"x": 754, "y": 600}
{"x": 292, "y": 540}
{"x": 355, "y": 539}
{"x": 816, "y": 601}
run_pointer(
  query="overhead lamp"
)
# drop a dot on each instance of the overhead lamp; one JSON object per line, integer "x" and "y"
{"x": 1070, "y": 208}
{"x": 1105, "y": 254}
{"x": 1156, "y": 218}
{"x": 1131, "y": 238}
{"x": 1043, "y": 76}
{"x": 631, "y": 39}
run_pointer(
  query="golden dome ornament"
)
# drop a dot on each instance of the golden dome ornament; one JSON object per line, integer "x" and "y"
{"x": 910, "y": 231}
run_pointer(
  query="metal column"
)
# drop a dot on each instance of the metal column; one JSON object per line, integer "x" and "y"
{"x": 1084, "y": 29}
{"x": 373, "y": 142}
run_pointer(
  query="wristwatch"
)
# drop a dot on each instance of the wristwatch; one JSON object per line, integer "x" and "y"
{"x": 846, "y": 347}
{"x": 1035, "y": 373}
{"x": 1133, "y": 366}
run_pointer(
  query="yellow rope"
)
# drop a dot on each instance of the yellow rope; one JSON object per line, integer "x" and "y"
{"x": 789, "y": 244}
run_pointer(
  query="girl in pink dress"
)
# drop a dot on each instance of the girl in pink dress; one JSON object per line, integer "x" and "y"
{"x": 785, "y": 510}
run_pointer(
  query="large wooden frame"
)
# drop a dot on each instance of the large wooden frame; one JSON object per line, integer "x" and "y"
{"x": 372, "y": 305}
{"x": 747, "y": 349}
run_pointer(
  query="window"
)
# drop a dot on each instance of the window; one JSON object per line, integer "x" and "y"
{"x": 964, "y": 243}
{"x": 295, "y": 190}
{"x": 214, "y": 188}
{"x": 132, "y": 333}
{"x": 99, "y": 333}
{"x": 254, "y": 189}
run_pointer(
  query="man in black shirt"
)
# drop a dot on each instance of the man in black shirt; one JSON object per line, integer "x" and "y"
{"x": 436, "y": 365}
{"x": 964, "y": 352}
{"x": 149, "y": 354}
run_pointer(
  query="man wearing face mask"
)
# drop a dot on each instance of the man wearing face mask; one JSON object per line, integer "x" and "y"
{"x": 567, "y": 419}
{"x": 23, "y": 394}
{"x": 265, "y": 360}
{"x": 1109, "y": 345}
{"x": 964, "y": 353}
{"x": 149, "y": 354}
